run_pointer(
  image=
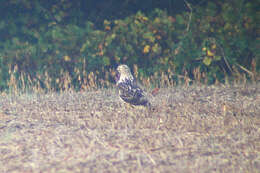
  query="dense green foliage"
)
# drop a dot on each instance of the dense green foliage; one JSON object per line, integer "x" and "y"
{"x": 60, "y": 36}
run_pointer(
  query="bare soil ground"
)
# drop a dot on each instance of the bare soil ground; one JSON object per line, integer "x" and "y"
{"x": 192, "y": 129}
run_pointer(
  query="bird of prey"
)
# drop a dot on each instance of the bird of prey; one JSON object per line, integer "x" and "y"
{"x": 129, "y": 91}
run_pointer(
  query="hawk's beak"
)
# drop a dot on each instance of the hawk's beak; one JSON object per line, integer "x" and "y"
{"x": 117, "y": 76}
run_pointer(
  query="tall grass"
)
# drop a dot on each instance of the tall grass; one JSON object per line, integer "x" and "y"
{"x": 20, "y": 81}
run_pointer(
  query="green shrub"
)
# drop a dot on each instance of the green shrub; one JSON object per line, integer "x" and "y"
{"x": 218, "y": 38}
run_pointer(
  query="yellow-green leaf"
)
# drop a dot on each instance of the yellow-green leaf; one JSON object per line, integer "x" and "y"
{"x": 207, "y": 61}
{"x": 217, "y": 58}
{"x": 106, "y": 61}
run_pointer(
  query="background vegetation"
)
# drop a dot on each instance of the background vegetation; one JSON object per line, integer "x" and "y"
{"x": 65, "y": 45}
{"x": 57, "y": 45}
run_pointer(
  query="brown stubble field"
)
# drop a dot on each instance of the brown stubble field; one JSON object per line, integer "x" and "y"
{"x": 189, "y": 129}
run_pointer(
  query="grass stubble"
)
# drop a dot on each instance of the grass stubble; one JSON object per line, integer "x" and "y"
{"x": 190, "y": 129}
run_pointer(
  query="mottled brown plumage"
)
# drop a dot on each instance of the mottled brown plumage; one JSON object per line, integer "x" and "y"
{"x": 129, "y": 91}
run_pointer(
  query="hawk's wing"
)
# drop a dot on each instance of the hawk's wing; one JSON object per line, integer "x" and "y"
{"x": 131, "y": 93}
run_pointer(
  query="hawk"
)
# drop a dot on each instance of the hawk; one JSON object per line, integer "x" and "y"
{"x": 129, "y": 91}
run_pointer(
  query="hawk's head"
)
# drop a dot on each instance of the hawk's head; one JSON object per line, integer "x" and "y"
{"x": 123, "y": 73}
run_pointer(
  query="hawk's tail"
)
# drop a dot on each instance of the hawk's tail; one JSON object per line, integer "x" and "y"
{"x": 148, "y": 105}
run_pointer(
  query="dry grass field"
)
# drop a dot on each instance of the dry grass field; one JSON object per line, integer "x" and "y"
{"x": 189, "y": 129}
